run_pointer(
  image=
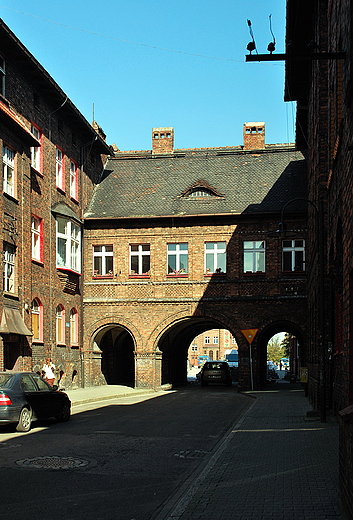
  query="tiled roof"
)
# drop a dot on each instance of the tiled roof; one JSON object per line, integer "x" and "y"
{"x": 145, "y": 185}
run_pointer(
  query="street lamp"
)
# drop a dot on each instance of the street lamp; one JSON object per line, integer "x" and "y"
{"x": 319, "y": 246}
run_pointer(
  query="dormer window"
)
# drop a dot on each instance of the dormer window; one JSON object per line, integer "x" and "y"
{"x": 200, "y": 193}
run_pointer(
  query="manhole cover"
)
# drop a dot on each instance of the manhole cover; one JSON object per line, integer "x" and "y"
{"x": 53, "y": 463}
{"x": 190, "y": 454}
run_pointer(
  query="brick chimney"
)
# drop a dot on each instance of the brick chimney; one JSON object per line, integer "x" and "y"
{"x": 162, "y": 140}
{"x": 254, "y": 136}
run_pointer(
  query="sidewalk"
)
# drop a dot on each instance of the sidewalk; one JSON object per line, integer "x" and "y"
{"x": 101, "y": 393}
{"x": 274, "y": 464}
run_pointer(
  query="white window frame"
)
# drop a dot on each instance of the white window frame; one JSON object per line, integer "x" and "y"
{"x": 140, "y": 252}
{"x": 60, "y": 325}
{"x": 215, "y": 340}
{"x": 254, "y": 256}
{"x": 73, "y": 180}
{"x": 177, "y": 252}
{"x": 68, "y": 245}
{"x": 103, "y": 254}
{"x": 207, "y": 340}
{"x": 9, "y": 267}
{"x": 73, "y": 327}
{"x": 215, "y": 257}
{"x": 37, "y": 239}
{"x": 59, "y": 168}
{"x": 291, "y": 251}
{"x": 8, "y": 166}
{"x": 36, "y": 151}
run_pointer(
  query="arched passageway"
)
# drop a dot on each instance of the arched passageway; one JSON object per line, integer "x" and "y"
{"x": 264, "y": 337}
{"x": 117, "y": 351}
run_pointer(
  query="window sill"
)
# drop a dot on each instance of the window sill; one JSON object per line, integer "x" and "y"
{"x": 38, "y": 262}
{"x": 11, "y": 197}
{"x": 62, "y": 190}
{"x": 180, "y": 275}
{"x": 37, "y": 342}
{"x": 292, "y": 273}
{"x": 251, "y": 274}
{"x": 138, "y": 276}
{"x": 37, "y": 172}
{"x": 68, "y": 270}
{"x": 75, "y": 346}
{"x": 74, "y": 199}
{"x": 61, "y": 345}
{"x": 103, "y": 277}
{"x": 218, "y": 275}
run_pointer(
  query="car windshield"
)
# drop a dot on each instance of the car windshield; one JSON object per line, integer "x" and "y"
{"x": 215, "y": 365}
{"x": 6, "y": 380}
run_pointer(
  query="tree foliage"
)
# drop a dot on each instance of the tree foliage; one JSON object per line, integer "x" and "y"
{"x": 277, "y": 349}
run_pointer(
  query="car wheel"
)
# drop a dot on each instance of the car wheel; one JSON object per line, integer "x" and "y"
{"x": 25, "y": 420}
{"x": 64, "y": 414}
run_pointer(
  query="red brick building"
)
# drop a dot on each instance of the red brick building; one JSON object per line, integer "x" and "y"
{"x": 51, "y": 159}
{"x": 212, "y": 343}
{"x": 176, "y": 243}
{"x": 322, "y": 86}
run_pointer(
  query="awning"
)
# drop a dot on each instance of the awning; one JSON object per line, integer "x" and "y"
{"x": 12, "y": 323}
{"x": 60, "y": 208}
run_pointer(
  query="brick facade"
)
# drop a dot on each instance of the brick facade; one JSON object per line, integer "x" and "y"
{"x": 31, "y": 97}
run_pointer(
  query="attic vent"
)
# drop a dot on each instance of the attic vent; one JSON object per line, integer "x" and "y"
{"x": 200, "y": 193}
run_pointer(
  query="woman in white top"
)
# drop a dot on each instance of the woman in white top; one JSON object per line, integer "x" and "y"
{"x": 48, "y": 369}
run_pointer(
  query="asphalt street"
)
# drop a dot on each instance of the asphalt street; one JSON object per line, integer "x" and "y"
{"x": 118, "y": 459}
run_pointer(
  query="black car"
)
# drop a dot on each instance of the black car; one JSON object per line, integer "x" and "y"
{"x": 216, "y": 372}
{"x": 25, "y": 396}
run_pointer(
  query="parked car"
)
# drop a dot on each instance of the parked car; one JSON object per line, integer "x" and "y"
{"x": 216, "y": 372}
{"x": 25, "y": 397}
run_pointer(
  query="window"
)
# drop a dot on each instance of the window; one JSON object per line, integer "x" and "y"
{"x": 60, "y": 179}
{"x": 207, "y": 339}
{"x": 9, "y": 267}
{"x": 139, "y": 259}
{"x": 8, "y": 165}
{"x": 102, "y": 260}
{"x": 233, "y": 340}
{"x": 36, "y": 151}
{"x": 73, "y": 180}
{"x": 215, "y": 257}
{"x": 37, "y": 320}
{"x": 254, "y": 257}
{"x": 200, "y": 193}
{"x": 215, "y": 340}
{"x": 60, "y": 324}
{"x": 293, "y": 255}
{"x": 178, "y": 258}
{"x": 2, "y": 76}
{"x": 37, "y": 239}
{"x": 73, "y": 327}
{"x": 193, "y": 347}
{"x": 68, "y": 244}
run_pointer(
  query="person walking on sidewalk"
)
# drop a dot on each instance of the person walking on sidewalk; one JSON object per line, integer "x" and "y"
{"x": 48, "y": 370}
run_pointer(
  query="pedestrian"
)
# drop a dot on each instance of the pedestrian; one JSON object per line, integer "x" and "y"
{"x": 48, "y": 370}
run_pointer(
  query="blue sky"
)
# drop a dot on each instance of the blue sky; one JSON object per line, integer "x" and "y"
{"x": 145, "y": 64}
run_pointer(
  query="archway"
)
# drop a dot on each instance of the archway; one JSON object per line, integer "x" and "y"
{"x": 297, "y": 358}
{"x": 117, "y": 348}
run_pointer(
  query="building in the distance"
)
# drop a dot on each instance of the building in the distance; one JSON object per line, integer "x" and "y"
{"x": 212, "y": 343}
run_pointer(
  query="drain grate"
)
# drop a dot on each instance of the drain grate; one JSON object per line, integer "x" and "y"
{"x": 53, "y": 463}
{"x": 190, "y": 454}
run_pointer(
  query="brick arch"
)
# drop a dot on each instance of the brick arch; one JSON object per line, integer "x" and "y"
{"x": 185, "y": 315}
{"x": 111, "y": 321}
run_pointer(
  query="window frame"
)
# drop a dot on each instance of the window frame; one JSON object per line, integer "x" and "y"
{"x": 39, "y": 313}
{"x": 293, "y": 250}
{"x": 36, "y": 151}
{"x": 60, "y": 324}
{"x": 73, "y": 180}
{"x": 258, "y": 255}
{"x": 104, "y": 255}
{"x": 60, "y": 168}
{"x": 9, "y": 265}
{"x": 37, "y": 236}
{"x": 141, "y": 254}
{"x": 9, "y": 164}
{"x": 70, "y": 241}
{"x": 215, "y": 252}
{"x": 73, "y": 327}
{"x": 177, "y": 253}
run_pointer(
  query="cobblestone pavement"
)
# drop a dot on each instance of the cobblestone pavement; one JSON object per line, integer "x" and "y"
{"x": 274, "y": 464}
